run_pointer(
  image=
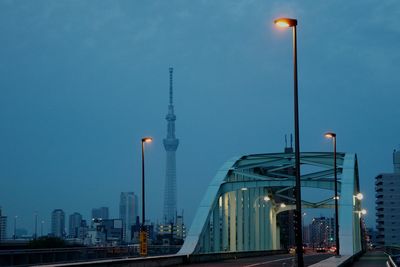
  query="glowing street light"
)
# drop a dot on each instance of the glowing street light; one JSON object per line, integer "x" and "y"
{"x": 292, "y": 23}
{"x": 359, "y": 196}
{"x": 363, "y": 211}
{"x": 285, "y": 22}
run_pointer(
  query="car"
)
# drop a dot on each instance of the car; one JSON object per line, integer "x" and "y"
{"x": 293, "y": 250}
{"x": 320, "y": 249}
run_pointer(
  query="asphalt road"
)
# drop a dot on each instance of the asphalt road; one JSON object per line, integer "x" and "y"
{"x": 270, "y": 261}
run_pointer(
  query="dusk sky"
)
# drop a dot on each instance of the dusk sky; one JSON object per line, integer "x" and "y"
{"x": 82, "y": 82}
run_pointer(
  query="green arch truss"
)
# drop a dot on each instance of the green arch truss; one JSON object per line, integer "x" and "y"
{"x": 238, "y": 211}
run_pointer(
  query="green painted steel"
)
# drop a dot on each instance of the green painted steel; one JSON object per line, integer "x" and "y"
{"x": 238, "y": 211}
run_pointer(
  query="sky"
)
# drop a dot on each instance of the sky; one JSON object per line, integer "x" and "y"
{"x": 81, "y": 82}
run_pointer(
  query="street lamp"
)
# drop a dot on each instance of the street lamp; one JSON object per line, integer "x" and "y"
{"x": 15, "y": 226}
{"x": 286, "y": 23}
{"x": 36, "y": 218}
{"x": 143, "y": 232}
{"x": 302, "y": 223}
{"x": 332, "y": 136}
{"x": 41, "y": 228}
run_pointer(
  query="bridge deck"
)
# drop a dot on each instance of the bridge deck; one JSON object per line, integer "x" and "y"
{"x": 371, "y": 259}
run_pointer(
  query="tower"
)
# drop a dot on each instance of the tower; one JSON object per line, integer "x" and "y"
{"x": 3, "y": 226}
{"x": 170, "y": 144}
{"x": 387, "y": 209}
{"x": 75, "y": 222}
{"x": 58, "y": 223}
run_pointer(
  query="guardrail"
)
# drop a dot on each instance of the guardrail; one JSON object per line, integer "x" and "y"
{"x": 393, "y": 253}
{"x": 15, "y": 257}
{"x": 390, "y": 262}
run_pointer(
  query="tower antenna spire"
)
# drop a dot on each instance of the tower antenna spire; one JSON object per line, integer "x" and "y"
{"x": 171, "y": 71}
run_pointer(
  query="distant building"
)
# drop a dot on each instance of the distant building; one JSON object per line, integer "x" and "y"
{"x": 128, "y": 210}
{"x": 172, "y": 233}
{"x": 58, "y": 223}
{"x": 100, "y": 213}
{"x": 105, "y": 232}
{"x": 3, "y": 226}
{"x": 75, "y": 222}
{"x": 387, "y": 187}
{"x": 322, "y": 232}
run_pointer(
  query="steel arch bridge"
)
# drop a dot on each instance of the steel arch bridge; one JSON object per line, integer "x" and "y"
{"x": 238, "y": 211}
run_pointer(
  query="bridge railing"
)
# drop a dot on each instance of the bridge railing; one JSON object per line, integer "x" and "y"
{"x": 393, "y": 253}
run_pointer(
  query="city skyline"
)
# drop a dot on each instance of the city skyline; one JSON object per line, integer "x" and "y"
{"x": 80, "y": 89}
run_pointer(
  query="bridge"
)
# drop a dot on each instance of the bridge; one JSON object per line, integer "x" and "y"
{"x": 240, "y": 207}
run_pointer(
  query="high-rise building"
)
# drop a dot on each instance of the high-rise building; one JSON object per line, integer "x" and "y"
{"x": 58, "y": 223}
{"x": 3, "y": 226}
{"x": 100, "y": 213}
{"x": 128, "y": 210}
{"x": 75, "y": 222}
{"x": 322, "y": 232}
{"x": 387, "y": 187}
{"x": 170, "y": 144}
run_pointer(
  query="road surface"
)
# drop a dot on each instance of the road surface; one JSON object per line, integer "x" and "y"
{"x": 266, "y": 261}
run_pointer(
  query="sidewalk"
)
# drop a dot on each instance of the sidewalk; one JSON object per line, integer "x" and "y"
{"x": 331, "y": 262}
{"x": 369, "y": 259}
{"x": 373, "y": 258}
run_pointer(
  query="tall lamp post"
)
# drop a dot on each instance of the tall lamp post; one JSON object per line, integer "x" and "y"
{"x": 41, "y": 228}
{"x": 36, "y": 218}
{"x": 143, "y": 230}
{"x": 332, "y": 136}
{"x": 292, "y": 23}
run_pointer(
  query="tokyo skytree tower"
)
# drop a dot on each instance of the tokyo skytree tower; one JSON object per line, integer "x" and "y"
{"x": 171, "y": 144}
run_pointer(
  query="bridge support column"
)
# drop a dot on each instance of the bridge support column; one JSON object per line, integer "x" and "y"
{"x": 253, "y": 222}
{"x": 349, "y": 222}
{"x": 217, "y": 226}
{"x": 246, "y": 212}
{"x": 239, "y": 221}
{"x": 262, "y": 220}
{"x": 225, "y": 219}
{"x": 232, "y": 220}
{"x": 273, "y": 230}
{"x": 256, "y": 234}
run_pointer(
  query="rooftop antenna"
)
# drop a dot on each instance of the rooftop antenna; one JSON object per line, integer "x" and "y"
{"x": 291, "y": 140}
{"x": 285, "y": 141}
